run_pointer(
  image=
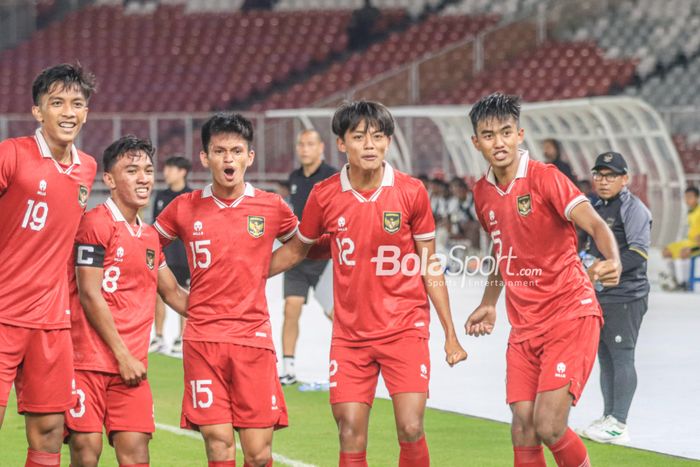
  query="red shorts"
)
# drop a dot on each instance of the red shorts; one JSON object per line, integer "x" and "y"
{"x": 404, "y": 364}
{"x": 229, "y": 383}
{"x": 104, "y": 400}
{"x": 564, "y": 354}
{"x": 40, "y": 363}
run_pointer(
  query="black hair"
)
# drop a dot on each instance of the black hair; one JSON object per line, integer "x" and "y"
{"x": 694, "y": 190}
{"x": 123, "y": 146}
{"x": 423, "y": 178}
{"x": 459, "y": 181}
{"x": 227, "y": 123}
{"x": 179, "y": 162}
{"x": 68, "y": 75}
{"x": 497, "y": 105}
{"x": 556, "y": 143}
{"x": 351, "y": 113}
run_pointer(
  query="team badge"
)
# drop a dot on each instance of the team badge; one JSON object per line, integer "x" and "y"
{"x": 83, "y": 195}
{"x": 392, "y": 222}
{"x": 524, "y": 205}
{"x": 150, "y": 259}
{"x": 256, "y": 226}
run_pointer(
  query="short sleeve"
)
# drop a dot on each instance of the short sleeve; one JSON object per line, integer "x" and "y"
{"x": 421, "y": 220}
{"x": 288, "y": 221}
{"x": 8, "y": 164}
{"x": 161, "y": 261}
{"x": 636, "y": 219}
{"x": 560, "y": 192}
{"x": 311, "y": 227}
{"x": 92, "y": 240}
{"x": 166, "y": 223}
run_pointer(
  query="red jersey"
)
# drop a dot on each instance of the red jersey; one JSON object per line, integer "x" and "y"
{"x": 229, "y": 246}
{"x": 130, "y": 257}
{"x": 530, "y": 226}
{"x": 41, "y": 203}
{"x": 378, "y": 289}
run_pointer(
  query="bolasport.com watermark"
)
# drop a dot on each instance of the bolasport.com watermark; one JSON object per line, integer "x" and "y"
{"x": 457, "y": 267}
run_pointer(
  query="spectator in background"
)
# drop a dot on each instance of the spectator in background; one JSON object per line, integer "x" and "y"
{"x": 283, "y": 189}
{"x": 361, "y": 28}
{"x": 425, "y": 180}
{"x": 439, "y": 194}
{"x": 463, "y": 225}
{"x": 175, "y": 175}
{"x": 679, "y": 253}
{"x": 625, "y": 304}
{"x": 551, "y": 149}
{"x": 587, "y": 189}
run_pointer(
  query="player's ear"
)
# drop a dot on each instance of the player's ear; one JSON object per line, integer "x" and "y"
{"x": 85, "y": 115}
{"x": 521, "y": 135}
{"x": 475, "y": 142}
{"x": 251, "y": 158}
{"x": 36, "y": 113}
{"x": 341, "y": 144}
{"x": 204, "y": 159}
{"x": 108, "y": 180}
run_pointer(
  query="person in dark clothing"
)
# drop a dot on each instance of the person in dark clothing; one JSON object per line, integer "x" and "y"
{"x": 298, "y": 280}
{"x": 623, "y": 306}
{"x": 551, "y": 149}
{"x": 175, "y": 174}
{"x": 361, "y": 27}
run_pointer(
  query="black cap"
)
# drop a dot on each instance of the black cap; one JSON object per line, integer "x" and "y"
{"x": 611, "y": 160}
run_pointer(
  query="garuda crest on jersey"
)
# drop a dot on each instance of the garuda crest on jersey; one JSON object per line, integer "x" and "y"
{"x": 83, "y": 193}
{"x": 256, "y": 226}
{"x": 150, "y": 258}
{"x": 524, "y": 205}
{"x": 392, "y": 222}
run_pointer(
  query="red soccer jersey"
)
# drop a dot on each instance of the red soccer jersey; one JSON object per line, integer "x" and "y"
{"x": 531, "y": 230}
{"x": 130, "y": 257}
{"x": 41, "y": 203}
{"x": 229, "y": 246}
{"x": 378, "y": 289}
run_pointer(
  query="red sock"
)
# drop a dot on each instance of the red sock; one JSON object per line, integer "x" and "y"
{"x": 353, "y": 459}
{"x": 231, "y": 463}
{"x": 414, "y": 454}
{"x": 269, "y": 464}
{"x": 529, "y": 456}
{"x": 42, "y": 459}
{"x": 570, "y": 451}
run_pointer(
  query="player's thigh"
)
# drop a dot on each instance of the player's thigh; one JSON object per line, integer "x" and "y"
{"x": 219, "y": 441}
{"x": 46, "y": 375}
{"x": 85, "y": 448}
{"x": 88, "y": 413}
{"x": 568, "y": 355}
{"x": 44, "y": 431}
{"x": 206, "y": 399}
{"x": 405, "y": 365}
{"x": 409, "y": 411}
{"x": 522, "y": 372}
{"x": 352, "y": 419}
{"x": 13, "y": 343}
{"x": 131, "y": 447}
{"x": 523, "y": 423}
{"x": 257, "y": 400}
{"x": 353, "y": 373}
{"x": 129, "y": 408}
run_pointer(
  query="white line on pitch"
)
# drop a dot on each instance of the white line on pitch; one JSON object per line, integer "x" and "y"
{"x": 191, "y": 434}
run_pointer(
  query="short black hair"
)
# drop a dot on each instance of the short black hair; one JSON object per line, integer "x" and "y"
{"x": 497, "y": 105}
{"x": 224, "y": 122}
{"x": 694, "y": 190}
{"x": 554, "y": 142}
{"x": 459, "y": 181}
{"x": 123, "y": 146}
{"x": 351, "y": 113}
{"x": 179, "y": 162}
{"x": 68, "y": 75}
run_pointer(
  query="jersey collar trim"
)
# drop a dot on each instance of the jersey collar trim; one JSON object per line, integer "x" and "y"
{"x": 46, "y": 152}
{"x": 208, "y": 193}
{"x": 387, "y": 180}
{"x": 523, "y": 162}
{"x": 119, "y": 217}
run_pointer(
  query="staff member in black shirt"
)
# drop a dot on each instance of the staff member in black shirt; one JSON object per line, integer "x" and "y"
{"x": 306, "y": 274}
{"x": 175, "y": 175}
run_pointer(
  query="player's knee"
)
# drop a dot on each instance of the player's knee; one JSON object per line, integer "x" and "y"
{"x": 549, "y": 429}
{"x": 351, "y": 437}
{"x": 258, "y": 458}
{"x": 218, "y": 447}
{"x": 522, "y": 434}
{"x": 84, "y": 453}
{"x": 410, "y": 432}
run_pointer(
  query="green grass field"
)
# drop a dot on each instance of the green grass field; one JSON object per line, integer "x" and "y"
{"x": 454, "y": 440}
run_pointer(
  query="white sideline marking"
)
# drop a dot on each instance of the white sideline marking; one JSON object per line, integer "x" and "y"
{"x": 191, "y": 434}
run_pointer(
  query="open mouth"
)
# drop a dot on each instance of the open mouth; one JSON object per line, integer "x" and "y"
{"x": 229, "y": 173}
{"x": 67, "y": 125}
{"x": 142, "y": 191}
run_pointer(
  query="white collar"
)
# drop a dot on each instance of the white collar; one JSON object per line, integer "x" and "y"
{"x": 208, "y": 193}
{"x": 46, "y": 152}
{"x": 387, "y": 180}
{"x": 523, "y": 161}
{"x": 119, "y": 217}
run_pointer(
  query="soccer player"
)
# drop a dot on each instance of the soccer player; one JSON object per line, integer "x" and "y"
{"x": 44, "y": 186}
{"x": 175, "y": 174}
{"x": 229, "y": 228}
{"x": 529, "y": 209}
{"x": 301, "y": 278}
{"x": 119, "y": 266}
{"x": 678, "y": 254}
{"x": 382, "y": 240}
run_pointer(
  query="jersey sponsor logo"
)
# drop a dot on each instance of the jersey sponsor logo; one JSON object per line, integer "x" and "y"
{"x": 610, "y": 221}
{"x": 342, "y": 224}
{"x": 198, "y": 226}
{"x": 274, "y": 403}
{"x": 392, "y": 222}
{"x": 256, "y": 226}
{"x": 293, "y": 189}
{"x": 150, "y": 258}
{"x": 120, "y": 254}
{"x": 160, "y": 204}
{"x": 524, "y": 205}
{"x": 83, "y": 193}
{"x": 424, "y": 371}
{"x": 561, "y": 370}
{"x": 42, "y": 188}
{"x": 492, "y": 218}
